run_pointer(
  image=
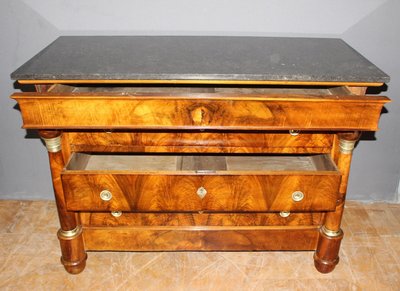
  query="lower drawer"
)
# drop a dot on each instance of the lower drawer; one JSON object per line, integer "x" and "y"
{"x": 115, "y": 219}
{"x": 200, "y": 239}
{"x": 159, "y": 183}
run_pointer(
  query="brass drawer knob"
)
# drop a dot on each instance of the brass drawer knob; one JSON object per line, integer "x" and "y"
{"x": 284, "y": 213}
{"x": 105, "y": 195}
{"x": 297, "y": 196}
{"x": 294, "y": 132}
{"x": 201, "y": 192}
{"x": 116, "y": 213}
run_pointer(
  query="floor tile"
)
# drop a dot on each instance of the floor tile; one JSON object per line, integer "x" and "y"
{"x": 29, "y": 259}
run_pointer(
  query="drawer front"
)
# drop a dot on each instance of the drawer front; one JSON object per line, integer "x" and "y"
{"x": 192, "y": 193}
{"x": 200, "y": 111}
{"x": 200, "y": 142}
{"x": 112, "y": 219}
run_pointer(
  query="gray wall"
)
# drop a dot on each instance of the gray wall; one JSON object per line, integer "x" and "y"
{"x": 370, "y": 26}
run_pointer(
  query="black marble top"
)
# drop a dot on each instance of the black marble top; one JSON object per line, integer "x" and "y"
{"x": 199, "y": 58}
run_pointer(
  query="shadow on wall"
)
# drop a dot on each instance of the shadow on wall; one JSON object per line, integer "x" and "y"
{"x": 370, "y": 135}
{"x": 377, "y": 90}
{"x": 29, "y": 133}
{"x": 24, "y": 87}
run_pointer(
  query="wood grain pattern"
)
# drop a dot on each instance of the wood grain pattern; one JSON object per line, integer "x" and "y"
{"x": 73, "y": 255}
{"x": 334, "y": 218}
{"x": 99, "y": 219}
{"x": 326, "y": 255}
{"x": 67, "y": 219}
{"x": 200, "y": 111}
{"x": 369, "y": 259}
{"x": 200, "y": 142}
{"x": 237, "y": 183}
{"x": 193, "y": 238}
{"x": 188, "y": 166}
{"x": 179, "y": 192}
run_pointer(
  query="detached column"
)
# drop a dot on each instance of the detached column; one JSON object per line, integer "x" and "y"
{"x": 73, "y": 255}
{"x": 326, "y": 256}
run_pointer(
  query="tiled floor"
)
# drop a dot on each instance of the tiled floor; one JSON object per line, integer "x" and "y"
{"x": 29, "y": 259}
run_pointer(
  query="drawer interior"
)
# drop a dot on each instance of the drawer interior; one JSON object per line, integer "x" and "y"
{"x": 200, "y": 163}
{"x": 181, "y": 89}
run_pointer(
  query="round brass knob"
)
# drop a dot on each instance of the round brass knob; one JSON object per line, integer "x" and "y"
{"x": 284, "y": 213}
{"x": 105, "y": 195}
{"x": 297, "y": 196}
{"x": 294, "y": 132}
{"x": 116, "y": 213}
{"x": 201, "y": 192}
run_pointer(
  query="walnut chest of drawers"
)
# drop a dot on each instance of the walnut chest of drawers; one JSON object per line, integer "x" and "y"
{"x": 199, "y": 143}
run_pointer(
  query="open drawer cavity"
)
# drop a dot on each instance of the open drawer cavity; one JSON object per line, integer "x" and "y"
{"x": 191, "y": 183}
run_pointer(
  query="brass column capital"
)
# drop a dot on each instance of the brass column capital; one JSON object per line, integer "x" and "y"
{"x": 53, "y": 144}
{"x": 346, "y": 146}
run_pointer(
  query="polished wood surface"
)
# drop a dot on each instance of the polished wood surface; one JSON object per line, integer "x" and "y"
{"x": 199, "y": 142}
{"x": 73, "y": 255}
{"x": 199, "y": 111}
{"x": 179, "y": 193}
{"x": 67, "y": 219}
{"x": 326, "y": 255}
{"x": 245, "y": 150}
{"x": 241, "y": 153}
{"x": 99, "y": 219}
{"x": 256, "y": 148}
{"x": 168, "y": 183}
{"x": 229, "y": 186}
{"x": 181, "y": 238}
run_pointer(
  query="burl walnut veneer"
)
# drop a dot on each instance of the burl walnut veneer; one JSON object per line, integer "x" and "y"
{"x": 199, "y": 143}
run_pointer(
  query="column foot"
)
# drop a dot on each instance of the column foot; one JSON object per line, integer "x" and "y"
{"x": 326, "y": 256}
{"x": 74, "y": 267}
{"x": 73, "y": 252}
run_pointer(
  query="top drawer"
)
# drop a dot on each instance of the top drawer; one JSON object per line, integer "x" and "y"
{"x": 222, "y": 109}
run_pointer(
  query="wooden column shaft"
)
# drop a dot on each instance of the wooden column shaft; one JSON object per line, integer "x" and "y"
{"x": 56, "y": 160}
{"x": 333, "y": 219}
{"x": 70, "y": 235}
{"x": 326, "y": 256}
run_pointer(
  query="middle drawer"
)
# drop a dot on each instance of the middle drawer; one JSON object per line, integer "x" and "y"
{"x": 191, "y": 183}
